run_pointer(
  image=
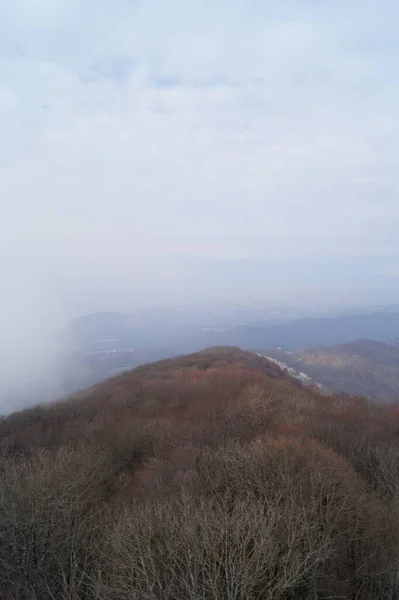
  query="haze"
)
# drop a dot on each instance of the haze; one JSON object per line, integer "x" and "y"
{"x": 164, "y": 152}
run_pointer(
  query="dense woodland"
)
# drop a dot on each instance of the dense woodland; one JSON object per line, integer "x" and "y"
{"x": 207, "y": 477}
{"x": 361, "y": 367}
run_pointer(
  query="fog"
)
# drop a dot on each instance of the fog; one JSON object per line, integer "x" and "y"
{"x": 192, "y": 152}
{"x": 32, "y": 331}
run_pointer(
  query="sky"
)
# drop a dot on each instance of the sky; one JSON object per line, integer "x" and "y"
{"x": 162, "y": 151}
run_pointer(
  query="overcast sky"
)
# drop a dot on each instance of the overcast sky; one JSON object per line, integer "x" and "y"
{"x": 183, "y": 150}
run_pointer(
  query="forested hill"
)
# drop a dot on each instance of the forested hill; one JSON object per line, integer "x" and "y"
{"x": 365, "y": 367}
{"x": 210, "y": 476}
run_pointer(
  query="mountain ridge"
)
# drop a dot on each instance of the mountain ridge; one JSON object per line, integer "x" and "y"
{"x": 210, "y": 471}
{"x": 361, "y": 367}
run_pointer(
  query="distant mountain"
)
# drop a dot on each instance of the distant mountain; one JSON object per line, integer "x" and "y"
{"x": 104, "y": 344}
{"x": 312, "y": 332}
{"x": 361, "y": 367}
{"x": 97, "y": 326}
{"x": 193, "y": 331}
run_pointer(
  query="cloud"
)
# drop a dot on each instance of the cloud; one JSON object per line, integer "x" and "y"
{"x": 156, "y": 152}
{"x": 143, "y": 140}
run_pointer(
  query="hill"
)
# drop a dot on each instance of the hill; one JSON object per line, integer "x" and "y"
{"x": 105, "y": 344}
{"x": 361, "y": 367}
{"x": 213, "y": 475}
{"x": 312, "y": 332}
{"x": 192, "y": 332}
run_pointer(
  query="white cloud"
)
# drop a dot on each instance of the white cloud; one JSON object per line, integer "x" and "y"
{"x": 157, "y": 151}
{"x": 141, "y": 140}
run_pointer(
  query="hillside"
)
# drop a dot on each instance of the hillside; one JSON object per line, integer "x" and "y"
{"x": 146, "y": 390}
{"x": 361, "y": 367}
{"x": 210, "y": 476}
{"x": 100, "y": 345}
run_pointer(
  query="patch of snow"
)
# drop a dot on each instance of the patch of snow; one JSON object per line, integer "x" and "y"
{"x": 298, "y": 375}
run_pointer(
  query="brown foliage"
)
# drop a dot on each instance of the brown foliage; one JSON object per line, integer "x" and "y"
{"x": 210, "y": 477}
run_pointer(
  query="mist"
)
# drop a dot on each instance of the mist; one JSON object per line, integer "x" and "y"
{"x": 191, "y": 153}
